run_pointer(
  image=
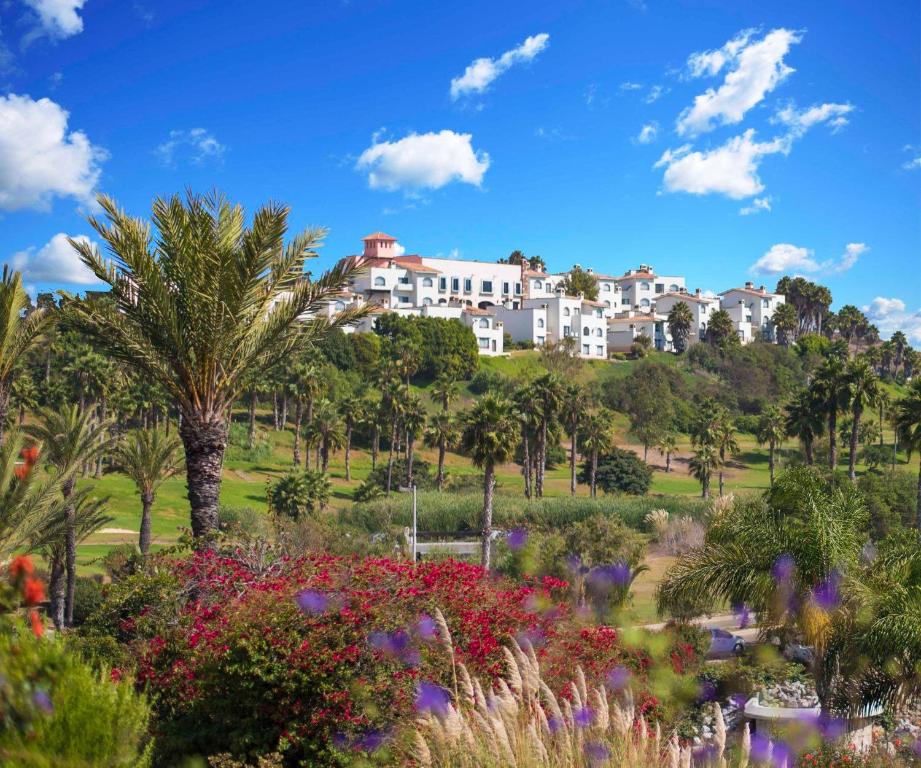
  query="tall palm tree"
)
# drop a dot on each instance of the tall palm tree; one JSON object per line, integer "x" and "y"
{"x": 865, "y": 390}
{"x": 199, "y": 304}
{"x": 597, "y": 438}
{"x": 667, "y": 445}
{"x": 70, "y": 439}
{"x": 148, "y": 457}
{"x": 907, "y": 423}
{"x": 414, "y": 416}
{"x": 391, "y": 405}
{"x": 529, "y": 424}
{"x": 680, "y": 320}
{"x": 441, "y": 433}
{"x": 832, "y": 391}
{"x": 772, "y": 429}
{"x": 352, "y": 410}
{"x": 326, "y": 432}
{"x": 445, "y": 390}
{"x": 573, "y": 409}
{"x": 548, "y": 400}
{"x": 706, "y": 458}
{"x": 305, "y": 383}
{"x": 490, "y": 433}
{"x": 725, "y": 441}
{"x": 804, "y": 421}
{"x": 19, "y": 332}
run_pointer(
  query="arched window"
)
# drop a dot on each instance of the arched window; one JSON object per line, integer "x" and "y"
{"x": 673, "y": 288}
{"x": 537, "y": 284}
{"x": 644, "y": 302}
{"x": 340, "y": 305}
{"x": 586, "y": 331}
{"x": 644, "y": 286}
{"x": 599, "y": 332}
{"x": 379, "y": 281}
{"x": 540, "y": 322}
{"x": 566, "y": 312}
{"x": 606, "y": 287}
{"x": 426, "y": 301}
{"x": 484, "y": 323}
{"x": 427, "y": 282}
{"x": 608, "y": 304}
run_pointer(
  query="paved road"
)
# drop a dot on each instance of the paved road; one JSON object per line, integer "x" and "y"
{"x": 726, "y": 621}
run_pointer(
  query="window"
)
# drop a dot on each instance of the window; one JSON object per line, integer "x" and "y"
{"x": 566, "y": 331}
{"x": 644, "y": 302}
{"x": 455, "y": 284}
{"x": 585, "y": 349}
{"x": 426, "y": 301}
{"x": 540, "y": 322}
{"x": 404, "y": 280}
{"x": 673, "y": 288}
{"x": 484, "y": 323}
{"x": 484, "y": 343}
{"x": 442, "y": 283}
{"x": 599, "y": 332}
{"x": 486, "y": 286}
{"x": 606, "y": 287}
{"x": 608, "y": 304}
{"x": 599, "y": 312}
{"x": 518, "y": 289}
{"x": 340, "y": 305}
{"x": 625, "y": 301}
{"x": 537, "y": 285}
{"x": 505, "y": 289}
{"x": 660, "y": 287}
{"x": 599, "y": 350}
{"x": 427, "y": 282}
{"x": 468, "y": 285}
{"x": 644, "y": 286}
{"x": 379, "y": 281}
{"x": 541, "y": 339}
{"x": 404, "y": 299}
{"x": 765, "y": 303}
{"x": 586, "y": 331}
{"x": 566, "y": 312}
{"x": 548, "y": 287}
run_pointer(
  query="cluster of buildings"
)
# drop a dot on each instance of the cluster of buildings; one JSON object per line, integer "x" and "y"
{"x": 532, "y": 306}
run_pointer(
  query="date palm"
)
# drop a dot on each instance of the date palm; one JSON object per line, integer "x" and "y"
{"x": 571, "y": 413}
{"x": 19, "y": 332}
{"x": 413, "y": 417}
{"x": 304, "y": 384}
{"x": 489, "y": 435}
{"x": 772, "y": 429}
{"x": 326, "y": 432}
{"x": 441, "y": 433}
{"x": 667, "y": 445}
{"x": 529, "y": 424}
{"x": 706, "y": 458}
{"x": 725, "y": 441}
{"x": 149, "y": 457}
{"x": 907, "y": 422}
{"x": 200, "y": 301}
{"x": 445, "y": 390}
{"x": 597, "y": 438}
{"x": 865, "y": 390}
{"x": 680, "y": 320}
{"x": 831, "y": 392}
{"x": 548, "y": 400}
{"x": 804, "y": 421}
{"x": 70, "y": 439}
{"x": 352, "y": 410}
{"x": 391, "y": 405}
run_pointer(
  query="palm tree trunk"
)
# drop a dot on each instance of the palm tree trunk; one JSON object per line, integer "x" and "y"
{"x": 393, "y": 442}
{"x": 276, "y": 413}
{"x": 205, "y": 442}
{"x": 833, "y": 440}
{"x": 4, "y": 407}
{"x": 880, "y": 423}
{"x": 918, "y": 509}
{"x": 22, "y": 417}
{"x": 852, "y": 456}
{"x": 147, "y": 501}
{"x": 348, "y": 454}
{"x": 489, "y": 487}
{"x": 594, "y": 487}
{"x": 705, "y": 491}
{"x": 251, "y": 436}
{"x": 324, "y": 455}
{"x": 572, "y": 464}
{"x": 645, "y": 452}
{"x": 541, "y": 460}
{"x": 284, "y": 410}
{"x": 375, "y": 444}
{"x": 770, "y": 461}
{"x": 810, "y": 454}
{"x": 410, "y": 445}
{"x": 668, "y": 462}
{"x": 57, "y": 590}
{"x": 442, "y": 450}
{"x": 70, "y": 549}
{"x": 103, "y": 413}
{"x": 298, "y": 418}
{"x": 309, "y": 422}
{"x": 526, "y": 462}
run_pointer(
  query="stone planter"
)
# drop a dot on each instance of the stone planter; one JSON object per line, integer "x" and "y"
{"x": 859, "y": 728}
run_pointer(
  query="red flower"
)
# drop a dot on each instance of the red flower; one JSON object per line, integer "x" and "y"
{"x": 29, "y": 455}
{"x": 37, "y": 629}
{"x": 33, "y": 591}
{"x": 115, "y": 675}
{"x": 21, "y": 566}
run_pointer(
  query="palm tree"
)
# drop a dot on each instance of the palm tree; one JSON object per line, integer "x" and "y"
{"x": 414, "y": 417}
{"x": 148, "y": 457}
{"x": 326, "y": 432}
{"x": 786, "y": 324}
{"x": 19, "y": 332}
{"x": 490, "y": 433}
{"x": 804, "y": 421}
{"x": 597, "y": 438}
{"x": 772, "y": 429}
{"x": 667, "y": 445}
{"x": 352, "y": 410}
{"x": 305, "y": 382}
{"x": 706, "y": 458}
{"x": 391, "y": 405}
{"x": 202, "y": 304}
{"x": 573, "y": 409}
{"x": 70, "y": 439}
{"x": 907, "y": 423}
{"x": 725, "y": 441}
{"x": 831, "y": 390}
{"x": 865, "y": 390}
{"x": 529, "y": 424}
{"x": 548, "y": 399}
{"x": 445, "y": 389}
{"x": 679, "y": 321}
{"x": 441, "y": 433}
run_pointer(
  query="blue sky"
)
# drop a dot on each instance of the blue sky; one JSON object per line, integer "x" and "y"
{"x": 725, "y": 141}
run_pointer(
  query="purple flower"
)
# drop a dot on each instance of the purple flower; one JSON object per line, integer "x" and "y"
{"x": 396, "y": 645}
{"x": 584, "y": 717}
{"x": 554, "y": 724}
{"x": 42, "y": 700}
{"x": 782, "y": 755}
{"x": 707, "y": 691}
{"x": 432, "y": 698}
{"x": 830, "y": 728}
{"x": 574, "y": 565}
{"x": 761, "y": 748}
{"x": 743, "y": 615}
{"x": 517, "y": 538}
{"x": 534, "y": 636}
{"x": 783, "y": 568}
{"x": 704, "y": 755}
{"x": 596, "y": 752}
{"x": 426, "y": 628}
{"x": 312, "y": 601}
{"x": 738, "y": 700}
{"x": 826, "y": 595}
{"x": 618, "y": 678}
{"x": 372, "y": 741}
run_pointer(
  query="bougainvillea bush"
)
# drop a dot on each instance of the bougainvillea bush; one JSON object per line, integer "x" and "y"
{"x": 322, "y": 657}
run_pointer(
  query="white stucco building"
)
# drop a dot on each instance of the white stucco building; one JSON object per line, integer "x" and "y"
{"x": 702, "y": 308}
{"x": 756, "y": 307}
{"x": 627, "y": 326}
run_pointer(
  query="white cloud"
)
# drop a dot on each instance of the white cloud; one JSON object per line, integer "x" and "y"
{"x": 629, "y": 86}
{"x": 787, "y": 258}
{"x": 913, "y": 164}
{"x": 801, "y": 121}
{"x": 194, "y": 146}
{"x": 478, "y": 75}
{"x": 58, "y": 18}
{"x": 758, "y": 68}
{"x": 647, "y": 133}
{"x": 595, "y": 97}
{"x": 757, "y": 205}
{"x": 55, "y": 262}
{"x": 655, "y": 93}
{"x": 423, "y": 161}
{"x": 39, "y": 159}
{"x": 731, "y": 169}
{"x": 889, "y": 315}
{"x": 398, "y": 249}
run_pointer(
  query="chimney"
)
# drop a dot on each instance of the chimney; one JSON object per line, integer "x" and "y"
{"x": 697, "y": 291}
{"x": 581, "y": 295}
{"x": 750, "y": 285}
{"x": 761, "y": 289}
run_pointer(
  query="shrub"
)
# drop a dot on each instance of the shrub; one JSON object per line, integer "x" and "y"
{"x": 620, "y": 471}
{"x": 245, "y": 520}
{"x": 681, "y": 535}
{"x": 87, "y": 598}
{"x": 238, "y": 445}
{"x": 299, "y": 492}
{"x": 487, "y": 380}
{"x": 423, "y": 474}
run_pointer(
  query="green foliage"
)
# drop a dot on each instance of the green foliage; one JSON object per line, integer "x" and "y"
{"x": 87, "y": 598}
{"x": 648, "y": 396}
{"x": 487, "y": 380}
{"x": 890, "y": 499}
{"x": 242, "y": 520}
{"x": 238, "y": 445}
{"x": 299, "y": 492}
{"x": 620, "y": 471}
{"x": 579, "y": 281}
{"x": 440, "y": 345}
{"x": 58, "y": 712}
{"x": 721, "y": 332}
{"x": 337, "y": 349}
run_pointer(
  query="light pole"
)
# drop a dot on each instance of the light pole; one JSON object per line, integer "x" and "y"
{"x": 412, "y": 489}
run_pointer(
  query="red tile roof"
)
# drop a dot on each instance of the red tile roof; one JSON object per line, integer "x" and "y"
{"x": 380, "y": 236}
{"x": 688, "y": 297}
{"x": 636, "y": 276}
{"x": 751, "y": 291}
